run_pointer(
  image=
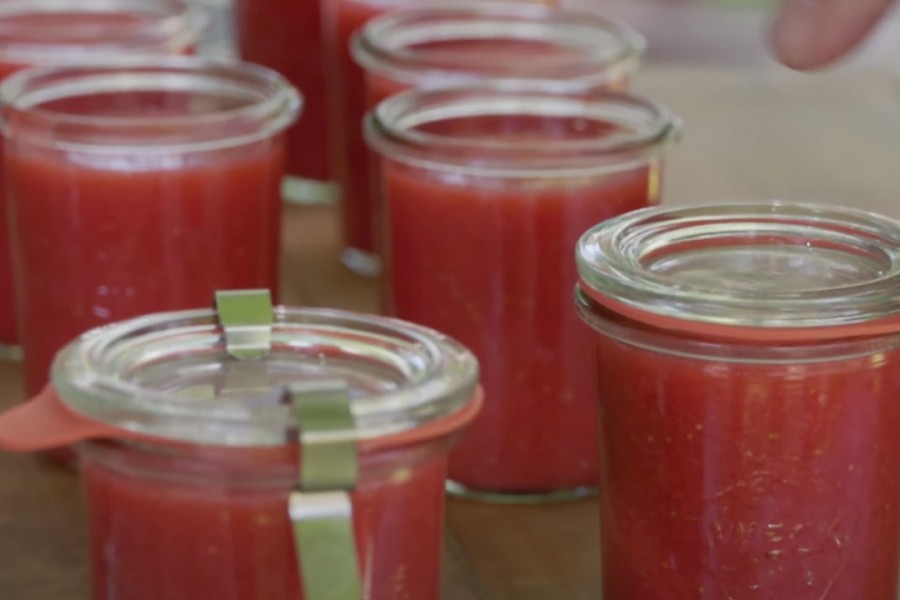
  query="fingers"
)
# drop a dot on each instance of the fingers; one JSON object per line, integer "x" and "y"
{"x": 809, "y": 34}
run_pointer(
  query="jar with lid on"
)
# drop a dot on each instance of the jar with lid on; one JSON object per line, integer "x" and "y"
{"x": 488, "y": 188}
{"x": 748, "y": 368}
{"x": 50, "y": 32}
{"x": 138, "y": 186}
{"x": 246, "y": 453}
{"x": 437, "y": 46}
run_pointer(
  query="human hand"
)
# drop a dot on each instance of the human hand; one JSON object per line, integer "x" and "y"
{"x": 808, "y": 34}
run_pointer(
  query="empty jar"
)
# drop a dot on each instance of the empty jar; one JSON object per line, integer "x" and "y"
{"x": 51, "y": 32}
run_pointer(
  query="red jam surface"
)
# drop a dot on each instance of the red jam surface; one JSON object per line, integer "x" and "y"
{"x": 171, "y": 536}
{"x": 361, "y": 211}
{"x": 489, "y": 262}
{"x": 347, "y": 107}
{"x": 286, "y": 35}
{"x": 748, "y": 481}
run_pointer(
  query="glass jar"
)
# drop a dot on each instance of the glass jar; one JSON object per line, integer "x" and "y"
{"x": 748, "y": 368}
{"x": 488, "y": 188}
{"x": 435, "y": 46}
{"x": 286, "y": 35}
{"x": 197, "y": 496}
{"x": 416, "y": 46}
{"x": 44, "y": 32}
{"x": 344, "y": 81}
{"x": 139, "y": 186}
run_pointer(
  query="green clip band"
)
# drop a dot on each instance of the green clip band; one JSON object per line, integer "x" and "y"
{"x": 321, "y": 508}
{"x": 246, "y": 316}
{"x": 323, "y": 533}
{"x": 327, "y": 436}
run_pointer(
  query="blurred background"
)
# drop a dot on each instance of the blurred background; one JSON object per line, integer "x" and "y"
{"x": 699, "y": 32}
{"x": 753, "y": 128}
{"x": 720, "y": 32}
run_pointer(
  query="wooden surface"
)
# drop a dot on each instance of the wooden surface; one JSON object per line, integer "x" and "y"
{"x": 762, "y": 134}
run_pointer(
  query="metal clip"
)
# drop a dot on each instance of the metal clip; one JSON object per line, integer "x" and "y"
{"x": 320, "y": 507}
{"x": 246, "y": 316}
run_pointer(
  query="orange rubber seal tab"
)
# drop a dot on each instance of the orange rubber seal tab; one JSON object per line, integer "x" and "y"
{"x": 45, "y": 423}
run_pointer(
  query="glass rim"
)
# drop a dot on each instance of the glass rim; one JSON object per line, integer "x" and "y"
{"x": 832, "y": 269}
{"x": 271, "y": 103}
{"x": 392, "y": 129}
{"x": 608, "y": 49}
{"x": 177, "y": 27}
{"x": 441, "y": 379}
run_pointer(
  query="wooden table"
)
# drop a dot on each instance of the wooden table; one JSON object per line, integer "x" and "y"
{"x": 833, "y": 138}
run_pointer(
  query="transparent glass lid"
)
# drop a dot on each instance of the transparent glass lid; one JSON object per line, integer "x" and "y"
{"x": 760, "y": 265}
{"x": 174, "y": 375}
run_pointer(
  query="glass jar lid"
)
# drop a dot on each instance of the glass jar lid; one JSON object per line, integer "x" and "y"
{"x": 497, "y": 39}
{"x": 36, "y": 32}
{"x": 177, "y": 375}
{"x": 749, "y": 270}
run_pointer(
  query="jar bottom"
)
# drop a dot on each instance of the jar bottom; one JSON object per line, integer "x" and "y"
{"x": 458, "y": 490}
{"x": 361, "y": 262}
{"x": 308, "y": 192}
{"x": 11, "y": 353}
